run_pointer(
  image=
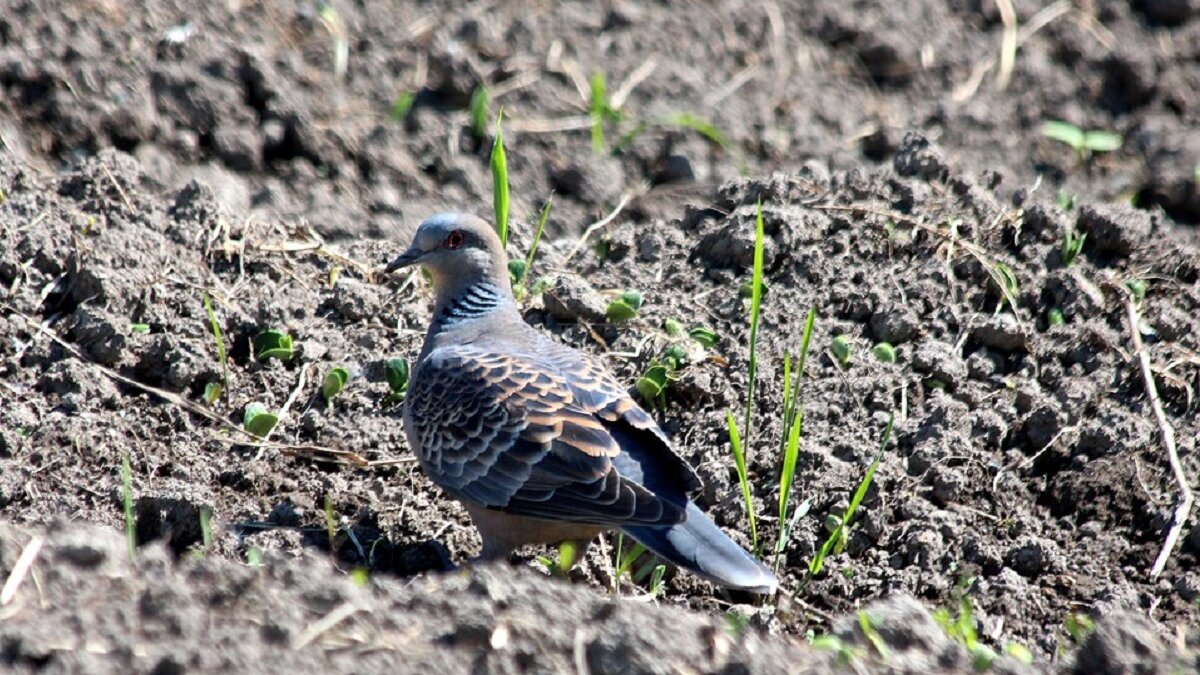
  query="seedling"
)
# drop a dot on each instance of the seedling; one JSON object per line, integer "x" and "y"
{"x": 518, "y": 270}
{"x": 1137, "y": 288}
{"x": 1072, "y": 246}
{"x": 840, "y": 347}
{"x": 746, "y": 290}
{"x": 706, "y": 337}
{"x": 1019, "y": 652}
{"x": 1005, "y": 282}
{"x": 701, "y": 126}
{"x": 403, "y": 106}
{"x": 1084, "y": 143}
{"x": 395, "y": 371}
{"x": 960, "y": 627}
{"x": 254, "y": 557}
{"x": 1055, "y": 317}
{"x": 500, "y": 180}
{"x": 273, "y": 344}
{"x": 334, "y": 382}
{"x": 673, "y": 328}
{"x": 656, "y": 580}
{"x": 756, "y": 295}
{"x": 793, "y": 423}
{"x": 840, "y": 527}
{"x": 361, "y": 577}
{"x": 127, "y": 500}
{"x": 206, "y": 535}
{"x": 567, "y": 552}
{"x": 674, "y": 357}
{"x": 652, "y": 385}
{"x": 1065, "y": 200}
{"x": 1079, "y": 627}
{"x": 478, "y": 108}
{"x": 258, "y": 420}
{"x": 141, "y": 328}
{"x": 625, "y": 307}
{"x": 884, "y": 353}
{"x": 213, "y": 391}
{"x": 335, "y": 273}
{"x": 602, "y": 111}
{"x": 739, "y": 459}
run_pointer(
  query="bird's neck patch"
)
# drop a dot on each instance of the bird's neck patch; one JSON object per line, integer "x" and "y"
{"x": 473, "y": 302}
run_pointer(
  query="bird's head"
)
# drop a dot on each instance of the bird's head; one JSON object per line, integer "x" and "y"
{"x": 456, "y": 247}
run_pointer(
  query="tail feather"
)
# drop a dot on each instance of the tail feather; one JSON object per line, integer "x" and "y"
{"x": 700, "y": 547}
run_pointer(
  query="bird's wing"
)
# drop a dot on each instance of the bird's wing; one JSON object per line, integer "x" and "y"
{"x": 525, "y": 434}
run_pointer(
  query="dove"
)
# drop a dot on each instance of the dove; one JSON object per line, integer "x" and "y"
{"x": 538, "y": 441}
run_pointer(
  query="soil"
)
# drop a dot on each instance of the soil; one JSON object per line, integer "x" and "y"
{"x": 151, "y": 158}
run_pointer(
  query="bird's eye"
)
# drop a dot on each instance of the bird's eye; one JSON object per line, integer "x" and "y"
{"x": 454, "y": 240}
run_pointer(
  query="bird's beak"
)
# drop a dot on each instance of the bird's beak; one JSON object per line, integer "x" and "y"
{"x": 409, "y": 257}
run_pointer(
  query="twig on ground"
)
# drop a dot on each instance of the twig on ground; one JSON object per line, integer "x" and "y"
{"x": 598, "y": 225}
{"x": 1008, "y": 44}
{"x": 1167, "y": 434}
{"x": 327, "y": 622}
{"x": 635, "y": 78}
{"x": 20, "y": 569}
{"x": 120, "y": 190}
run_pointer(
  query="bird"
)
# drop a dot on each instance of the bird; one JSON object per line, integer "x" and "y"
{"x": 537, "y": 440}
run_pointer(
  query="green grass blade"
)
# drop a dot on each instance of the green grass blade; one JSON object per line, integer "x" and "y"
{"x": 787, "y": 397}
{"x": 599, "y": 111}
{"x": 739, "y": 458}
{"x": 537, "y": 235}
{"x": 127, "y": 498}
{"x": 818, "y": 561}
{"x": 756, "y": 284}
{"x": 500, "y": 181}
{"x": 216, "y": 329}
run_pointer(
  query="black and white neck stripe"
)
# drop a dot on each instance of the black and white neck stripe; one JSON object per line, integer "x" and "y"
{"x": 473, "y": 302}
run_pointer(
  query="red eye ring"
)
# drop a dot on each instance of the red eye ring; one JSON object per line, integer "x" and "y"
{"x": 454, "y": 240}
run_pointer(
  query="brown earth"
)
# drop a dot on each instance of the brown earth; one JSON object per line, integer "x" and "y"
{"x": 155, "y": 156}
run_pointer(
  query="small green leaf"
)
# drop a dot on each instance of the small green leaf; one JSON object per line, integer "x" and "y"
{"x": 516, "y": 271}
{"x": 334, "y": 382}
{"x": 273, "y": 344}
{"x": 1065, "y": 201}
{"x": 746, "y": 290}
{"x": 1064, "y": 132}
{"x": 840, "y": 346}
{"x": 139, "y": 328}
{"x": 632, "y": 298}
{"x": 884, "y": 352}
{"x": 704, "y": 336}
{"x": 1019, "y": 652}
{"x": 395, "y": 371}
{"x": 653, "y": 383}
{"x": 403, "y": 106}
{"x": 673, "y": 328}
{"x": 674, "y": 357}
{"x": 1102, "y": 141}
{"x": 619, "y": 310}
{"x": 479, "y": 111}
{"x": 212, "y": 392}
{"x": 361, "y": 577}
{"x": 258, "y": 421}
{"x": 1137, "y": 288}
{"x": 1055, "y": 317}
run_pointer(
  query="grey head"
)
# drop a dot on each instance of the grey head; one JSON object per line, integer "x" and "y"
{"x": 464, "y": 255}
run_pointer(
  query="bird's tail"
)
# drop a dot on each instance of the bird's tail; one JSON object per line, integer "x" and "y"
{"x": 700, "y": 547}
